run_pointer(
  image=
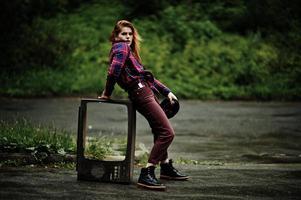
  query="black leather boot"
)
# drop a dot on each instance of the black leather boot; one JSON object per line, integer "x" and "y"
{"x": 169, "y": 172}
{"x": 147, "y": 179}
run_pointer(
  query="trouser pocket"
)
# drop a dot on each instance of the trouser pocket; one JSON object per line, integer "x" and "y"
{"x": 141, "y": 95}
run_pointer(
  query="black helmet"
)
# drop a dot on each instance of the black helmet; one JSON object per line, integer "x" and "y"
{"x": 170, "y": 109}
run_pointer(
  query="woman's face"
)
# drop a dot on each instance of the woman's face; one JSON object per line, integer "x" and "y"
{"x": 126, "y": 35}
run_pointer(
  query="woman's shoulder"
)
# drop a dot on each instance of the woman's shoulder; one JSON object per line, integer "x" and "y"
{"x": 120, "y": 46}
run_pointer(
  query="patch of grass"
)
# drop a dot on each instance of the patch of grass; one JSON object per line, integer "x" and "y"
{"x": 197, "y": 162}
{"x": 22, "y": 136}
{"x": 10, "y": 163}
{"x": 99, "y": 148}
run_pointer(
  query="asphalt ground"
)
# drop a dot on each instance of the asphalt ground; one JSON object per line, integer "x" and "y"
{"x": 260, "y": 181}
{"x": 231, "y": 150}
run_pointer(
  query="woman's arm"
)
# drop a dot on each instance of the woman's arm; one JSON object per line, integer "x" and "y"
{"x": 119, "y": 53}
{"x": 161, "y": 88}
{"x": 165, "y": 91}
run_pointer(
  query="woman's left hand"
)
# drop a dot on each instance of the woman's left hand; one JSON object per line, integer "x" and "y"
{"x": 171, "y": 96}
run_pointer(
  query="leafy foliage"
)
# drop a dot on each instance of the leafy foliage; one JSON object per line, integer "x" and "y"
{"x": 200, "y": 49}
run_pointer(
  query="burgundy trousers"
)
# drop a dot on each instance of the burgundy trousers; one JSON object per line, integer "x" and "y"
{"x": 147, "y": 104}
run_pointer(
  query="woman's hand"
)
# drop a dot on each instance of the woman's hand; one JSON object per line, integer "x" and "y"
{"x": 171, "y": 96}
{"x": 103, "y": 96}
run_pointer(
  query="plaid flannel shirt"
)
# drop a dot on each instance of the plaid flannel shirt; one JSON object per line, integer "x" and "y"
{"x": 125, "y": 69}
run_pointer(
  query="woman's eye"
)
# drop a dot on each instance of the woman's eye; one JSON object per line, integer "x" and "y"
{"x": 124, "y": 34}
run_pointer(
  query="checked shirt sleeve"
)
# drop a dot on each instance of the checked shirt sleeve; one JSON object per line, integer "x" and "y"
{"x": 119, "y": 54}
{"x": 161, "y": 88}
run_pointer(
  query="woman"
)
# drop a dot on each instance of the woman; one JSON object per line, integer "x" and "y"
{"x": 127, "y": 71}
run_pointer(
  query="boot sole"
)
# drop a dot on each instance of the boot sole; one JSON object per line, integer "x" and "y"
{"x": 159, "y": 188}
{"x": 174, "y": 178}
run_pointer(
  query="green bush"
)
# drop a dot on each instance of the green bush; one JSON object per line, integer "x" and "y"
{"x": 191, "y": 52}
{"x": 211, "y": 64}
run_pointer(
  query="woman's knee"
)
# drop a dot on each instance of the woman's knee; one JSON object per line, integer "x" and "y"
{"x": 171, "y": 135}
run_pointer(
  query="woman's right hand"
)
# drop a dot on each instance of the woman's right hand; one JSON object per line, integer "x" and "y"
{"x": 103, "y": 96}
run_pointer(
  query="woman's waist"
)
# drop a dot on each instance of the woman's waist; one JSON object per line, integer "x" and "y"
{"x": 136, "y": 85}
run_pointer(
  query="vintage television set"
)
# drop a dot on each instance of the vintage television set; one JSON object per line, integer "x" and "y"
{"x": 107, "y": 169}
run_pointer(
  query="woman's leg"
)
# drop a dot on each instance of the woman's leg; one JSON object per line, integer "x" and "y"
{"x": 147, "y": 105}
{"x": 161, "y": 128}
